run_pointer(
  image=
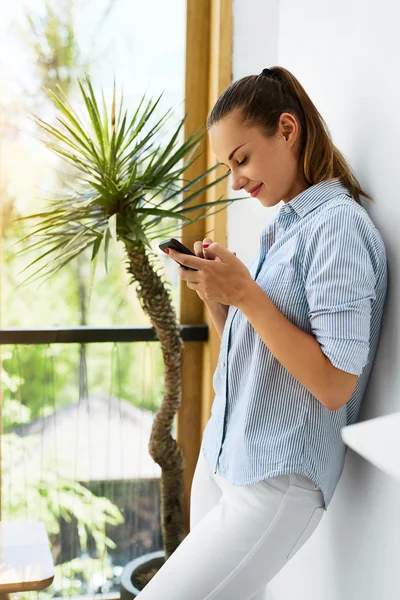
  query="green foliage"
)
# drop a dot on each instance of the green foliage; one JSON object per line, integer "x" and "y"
{"x": 37, "y": 380}
{"x": 31, "y": 493}
{"x": 52, "y": 39}
{"x": 75, "y": 578}
{"x": 70, "y": 575}
{"x": 127, "y": 182}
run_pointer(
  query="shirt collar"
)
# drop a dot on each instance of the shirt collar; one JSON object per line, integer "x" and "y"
{"x": 314, "y": 196}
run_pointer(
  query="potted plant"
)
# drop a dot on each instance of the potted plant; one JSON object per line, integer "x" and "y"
{"x": 127, "y": 183}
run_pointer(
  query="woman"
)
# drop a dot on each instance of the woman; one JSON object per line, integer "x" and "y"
{"x": 299, "y": 330}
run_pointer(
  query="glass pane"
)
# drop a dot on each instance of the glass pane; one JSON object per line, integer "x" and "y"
{"x": 76, "y": 427}
{"x": 45, "y": 44}
{"x": 77, "y": 419}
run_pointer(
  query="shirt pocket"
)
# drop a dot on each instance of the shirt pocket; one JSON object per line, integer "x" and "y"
{"x": 276, "y": 281}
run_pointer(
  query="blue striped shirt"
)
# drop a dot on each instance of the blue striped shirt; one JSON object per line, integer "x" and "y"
{"x": 323, "y": 264}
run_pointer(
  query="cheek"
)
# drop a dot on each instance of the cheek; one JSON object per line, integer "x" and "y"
{"x": 276, "y": 171}
{"x": 261, "y": 170}
{"x": 274, "y": 175}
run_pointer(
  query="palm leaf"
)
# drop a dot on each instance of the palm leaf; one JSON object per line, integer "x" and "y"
{"x": 130, "y": 177}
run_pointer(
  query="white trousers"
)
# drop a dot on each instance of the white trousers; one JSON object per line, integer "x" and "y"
{"x": 240, "y": 537}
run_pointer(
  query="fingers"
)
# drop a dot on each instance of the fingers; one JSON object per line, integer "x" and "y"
{"x": 198, "y": 249}
{"x": 203, "y": 252}
{"x": 206, "y": 252}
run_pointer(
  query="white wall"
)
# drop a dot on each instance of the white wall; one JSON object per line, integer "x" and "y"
{"x": 252, "y": 51}
{"x": 345, "y": 55}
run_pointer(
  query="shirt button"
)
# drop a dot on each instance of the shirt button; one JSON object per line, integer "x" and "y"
{"x": 287, "y": 209}
{"x": 223, "y": 364}
{"x": 281, "y": 229}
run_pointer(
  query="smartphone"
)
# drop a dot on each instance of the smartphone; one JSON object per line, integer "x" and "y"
{"x": 179, "y": 247}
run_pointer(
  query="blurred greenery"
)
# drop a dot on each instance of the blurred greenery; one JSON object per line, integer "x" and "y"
{"x": 43, "y": 378}
{"x": 44, "y": 495}
{"x": 53, "y": 374}
{"x": 71, "y": 578}
{"x": 52, "y": 41}
{"x": 37, "y": 380}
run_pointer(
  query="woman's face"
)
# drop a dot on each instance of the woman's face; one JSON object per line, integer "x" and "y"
{"x": 265, "y": 167}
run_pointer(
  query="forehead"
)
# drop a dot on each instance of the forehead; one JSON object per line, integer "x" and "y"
{"x": 229, "y": 133}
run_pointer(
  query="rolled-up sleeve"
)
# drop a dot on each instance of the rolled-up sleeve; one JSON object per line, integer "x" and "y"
{"x": 340, "y": 285}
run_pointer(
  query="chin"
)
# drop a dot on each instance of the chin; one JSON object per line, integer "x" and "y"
{"x": 267, "y": 202}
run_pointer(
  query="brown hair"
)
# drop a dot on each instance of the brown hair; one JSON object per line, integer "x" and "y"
{"x": 262, "y": 99}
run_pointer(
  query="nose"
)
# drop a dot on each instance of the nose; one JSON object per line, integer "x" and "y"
{"x": 238, "y": 182}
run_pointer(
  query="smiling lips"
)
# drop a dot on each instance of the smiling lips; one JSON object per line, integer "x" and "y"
{"x": 255, "y": 190}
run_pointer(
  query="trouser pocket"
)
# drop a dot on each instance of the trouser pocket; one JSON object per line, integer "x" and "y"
{"x": 308, "y": 530}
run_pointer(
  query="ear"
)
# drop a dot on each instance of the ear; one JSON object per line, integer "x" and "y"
{"x": 289, "y": 128}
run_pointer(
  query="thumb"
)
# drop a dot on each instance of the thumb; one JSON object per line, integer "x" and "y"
{"x": 223, "y": 253}
{"x": 206, "y": 253}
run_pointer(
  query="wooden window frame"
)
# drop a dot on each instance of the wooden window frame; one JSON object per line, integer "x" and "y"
{"x": 208, "y": 72}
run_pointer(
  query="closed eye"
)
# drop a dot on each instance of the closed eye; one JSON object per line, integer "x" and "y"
{"x": 244, "y": 161}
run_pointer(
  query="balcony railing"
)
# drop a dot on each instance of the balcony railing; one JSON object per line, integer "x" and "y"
{"x": 91, "y": 445}
{"x": 86, "y": 335}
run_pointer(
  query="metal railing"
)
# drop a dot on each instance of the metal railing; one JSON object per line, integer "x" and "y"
{"x": 135, "y": 490}
{"x": 86, "y": 335}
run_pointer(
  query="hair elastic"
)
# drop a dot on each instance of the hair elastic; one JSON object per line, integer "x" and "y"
{"x": 267, "y": 73}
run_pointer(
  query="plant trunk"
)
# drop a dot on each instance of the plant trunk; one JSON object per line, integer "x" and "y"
{"x": 156, "y": 302}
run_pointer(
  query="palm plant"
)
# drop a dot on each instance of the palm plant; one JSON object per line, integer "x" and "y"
{"x": 128, "y": 182}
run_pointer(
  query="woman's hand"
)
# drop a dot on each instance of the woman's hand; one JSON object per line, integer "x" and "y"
{"x": 218, "y": 311}
{"x": 222, "y": 279}
{"x": 204, "y": 253}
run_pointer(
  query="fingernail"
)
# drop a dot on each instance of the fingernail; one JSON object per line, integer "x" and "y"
{"x": 205, "y": 245}
{"x": 166, "y": 250}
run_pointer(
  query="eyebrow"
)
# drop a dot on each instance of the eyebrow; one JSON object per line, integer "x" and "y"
{"x": 232, "y": 153}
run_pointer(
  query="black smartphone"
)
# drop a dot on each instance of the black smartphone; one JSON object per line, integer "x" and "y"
{"x": 179, "y": 247}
